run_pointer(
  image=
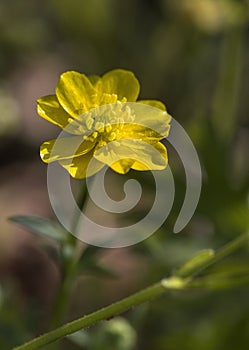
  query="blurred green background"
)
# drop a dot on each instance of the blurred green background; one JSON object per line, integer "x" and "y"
{"x": 191, "y": 54}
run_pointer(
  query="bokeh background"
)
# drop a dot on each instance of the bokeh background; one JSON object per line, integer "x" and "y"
{"x": 191, "y": 54}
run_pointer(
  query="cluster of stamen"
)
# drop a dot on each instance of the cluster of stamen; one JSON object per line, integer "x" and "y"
{"x": 103, "y": 123}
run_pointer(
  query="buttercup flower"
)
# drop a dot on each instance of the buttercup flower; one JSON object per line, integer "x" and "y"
{"x": 105, "y": 123}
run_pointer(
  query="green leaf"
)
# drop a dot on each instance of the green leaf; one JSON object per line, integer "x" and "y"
{"x": 42, "y": 227}
{"x": 80, "y": 338}
{"x": 90, "y": 252}
{"x": 88, "y": 263}
{"x": 196, "y": 263}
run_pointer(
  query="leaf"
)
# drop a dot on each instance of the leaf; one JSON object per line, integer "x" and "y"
{"x": 80, "y": 338}
{"x": 87, "y": 263}
{"x": 42, "y": 227}
{"x": 195, "y": 263}
{"x": 90, "y": 252}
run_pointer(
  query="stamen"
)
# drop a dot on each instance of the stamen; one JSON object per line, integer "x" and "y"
{"x": 89, "y": 122}
{"x": 102, "y": 143}
{"x": 108, "y": 127}
{"x": 100, "y": 127}
{"x": 112, "y": 136}
{"x": 81, "y": 129}
{"x": 95, "y": 134}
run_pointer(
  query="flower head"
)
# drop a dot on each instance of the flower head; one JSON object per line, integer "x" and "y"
{"x": 106, "y": 124}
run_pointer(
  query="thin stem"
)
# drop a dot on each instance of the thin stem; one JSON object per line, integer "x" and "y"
{"x": 63, "y": 294}
{"x": 70, "y": 257}
{"x": 231, "y": 247}
{"x": 172, "y": 283}
{"x": 88, "y": 320}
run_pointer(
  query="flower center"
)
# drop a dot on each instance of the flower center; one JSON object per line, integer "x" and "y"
{"x": 107, "y": 121}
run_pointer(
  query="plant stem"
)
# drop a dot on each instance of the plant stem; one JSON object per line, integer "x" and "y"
{"x": 231, "y": 247}
{"x": 88, "y": 320}
{"x": 70, "y": 256}
{"x": 172, "y": 283}
{"x": 63, "y": 294}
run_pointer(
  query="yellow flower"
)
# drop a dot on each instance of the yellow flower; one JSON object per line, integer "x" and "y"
{"x": 101, "y": 115}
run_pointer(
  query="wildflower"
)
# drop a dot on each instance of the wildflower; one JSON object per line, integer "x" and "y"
{"x": 100, "y": 114}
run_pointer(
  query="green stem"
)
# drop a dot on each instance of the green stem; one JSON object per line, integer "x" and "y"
{"x": 88, "y": 320}
{"x": 70, "y": 258}
{"x": 172, "y": 283}
{"x": 63, "y": 294}
{"x": 231, "y": 247}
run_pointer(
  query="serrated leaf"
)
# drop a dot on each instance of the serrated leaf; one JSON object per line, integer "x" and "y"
{"x": 195, "y": 263}
{"x": 41, "y": 226}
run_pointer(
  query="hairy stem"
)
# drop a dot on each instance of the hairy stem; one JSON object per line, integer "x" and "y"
{"x": 172, "y": 283}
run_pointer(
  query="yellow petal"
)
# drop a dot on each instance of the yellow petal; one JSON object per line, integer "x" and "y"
{"x": 136, "y": 131}
{"x": 77, "y": 167}
{"x": 48, "y": 107}
{"x": 122, "y": 166}
{"x": 75, "y": 93}
{"x": 122, "y": 83}
{"x": 125, "y": 154}
{"x": 95, "y": 80}
{"x": 154, "y": 103}
{"x": 138, "y": 165}
{"x": 64, "y": 148}
{"x": 152, "y": 117}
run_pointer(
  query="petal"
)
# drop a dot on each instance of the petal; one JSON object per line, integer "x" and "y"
{"x": 75, "y": 93}
{"x": 77, "y": 167}
{"x": 137, "y": 131}
{"x": 49, "y": 108}
{"x": 121, "y": 82}
{"x": 152, "y": 117}
{"x": 127, "y": 153}
{"x": 154, "y": 103}
{"x": 138, "y": 165}
{"x": 64, "y": 148}
{"x": 95, "y": 80}
{"x": 122, "y": 166}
